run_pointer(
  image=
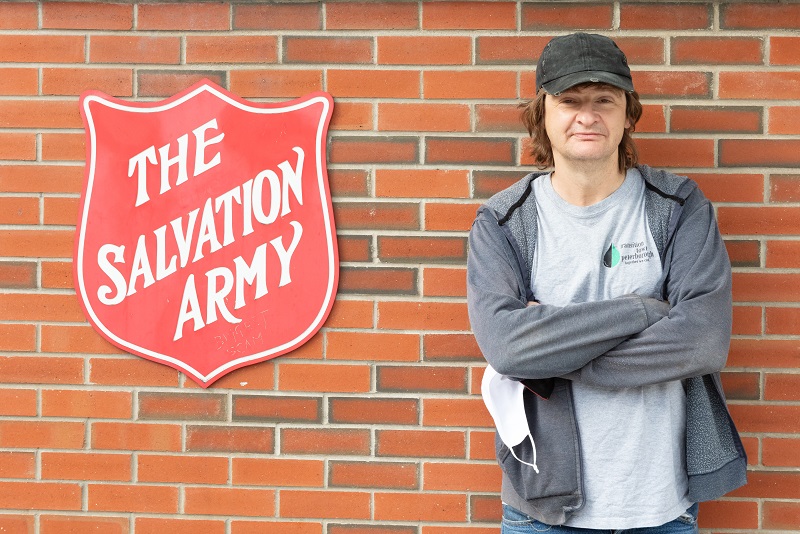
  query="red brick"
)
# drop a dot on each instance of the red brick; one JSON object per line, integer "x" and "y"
{"x": 192, "y": 16}
{"x": 771, "y": 85}
{"x": 784, "y": 50}
{"x": 154, "y": 525}
{"x": 275, "y": 83}
{"x": 471, "y": 16}
{"x": 330, "y": 441}
{"x": 402, "y": 50}
{"x": 63, "y": 147}
{"x": 146, "y": 49}
{"x": 764, "y": 353}
{"x": 327, "y": 50}
{"x": 741, "y": 386}
{"x": 421, "y": 183}
{"x": 765, "y": 287}
{"x": 782, "y": 321}
{"x": 231, "y": 49}
{"x": 763, "y": 220}
{"x": 781, "y": 515}
{"x": 278, "y": 472}
{"x": 17, "y": 465}
{"x": 373, "y": 83}
{"x": 19, "y": 523}
{"x": 462, "y": 477}
{"x": 18, "y": 275}
{"x": 421, "y": 443}
{"x": 136, "y": 436}
{"x": 371, "y": 281}
{"x": 455, "y": 412}
{"x": 275, "y": 527}
{"x": 74, "y": 81}
{"x": 39, "y": 307}
{"x": 374, "y": 411}
{"x": 18, "y": 402}
{"x": 783, "y": 120}
{"x": 782, "y": 387}
{"x": 40, "y": 496}
{"x": 40, "y": 114}
{"x": 449, "y": 216}
{"x": 744, "y": 253}
{"x": 348, "y": 182}
{"x": 325, "y": 504}
{"x": 294, "y": 16}
{"x": 422, "y": 379}
{"x": 204, "y": 438}
{"x": 33, "y": 48}
{"x": 87, "y": 404}
{"x": 715, "y": 119}
{"x": 676, "y": 152}
{"x": 56, "y": 274}
{"x": 766, "y": 418}
{"x": 665, "y": 16}
{"x": 371, "y": 529}
{"x": 41, "y": 178}
{"x": 780, "y": 452}
{"x": 276, "y": 409}
{"x": 481, "y": 445}
{"x": 468, "y": 85}
{"x": 87, "y": 15}
{"x": 354, "y": 248}
{"x": 498, "y": 118}
{"x": 728, "y": 514}
{"x": 41, "y": 434}
{"x": 371, "y": 16}
{"x": 439, "y": 507}
{"x": 133, "y": 498}
{"x": 83, "y": 339}
{"x": 329, "y": 378}
{"x": 759, "y": 16}
{"x": 674, "y": 84}
{"x": 423, "y": 117}
{"x": 167, "y": 83}
{"x": 451, "y": 347}
{"x": 36, "y": 243}
{"x": 86, "y": 466}
{"x": 19, "y": 81}
{"x": 18, "y": 147}
{"x": 549, "y": 16}
{"x": 19, "y": 16}
{"x": 509, "y": 50}
{"x": 444, "y": 282}
{"x": 783, "y": 254}
{"x": 716, "y": 50}
{"x": 372, "y": 346}
{"x": 485, "y": 508}
{"x": 373, "y": 150}
{"x": 471, "y": 151}
{"x": 181, "y": 469}
{"x": 396, "y": 315}
{"x": 376, "y": 215}
{"x": 41, "y": 370}
{"x": 350, "y": 314}
{"x": 653, "y": 119}
{"x": 61, "y": 211}
{"x": 181, "y": 406}
{"x": 17, "y": 337}
{"x": 373, "y": 475}
{"x": 747, "y": 320}
{"x": 770, "y": 485}
{"x": 350, "y": 116}
{"x": 731, "y": 187}
{"x": 131, "y": 371}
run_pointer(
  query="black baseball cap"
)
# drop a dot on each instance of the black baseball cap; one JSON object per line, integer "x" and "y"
{"x": 571, "y": 59}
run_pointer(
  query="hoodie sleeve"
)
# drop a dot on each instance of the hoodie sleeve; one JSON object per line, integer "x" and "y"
{"x": 694, "y": 339}
{"x": 542, "y": 341}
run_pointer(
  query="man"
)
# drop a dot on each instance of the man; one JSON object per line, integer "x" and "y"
{"x": 600, "y": 295}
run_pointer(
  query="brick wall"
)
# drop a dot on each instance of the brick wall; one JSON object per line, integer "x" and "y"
{"x": 375, "y": 426}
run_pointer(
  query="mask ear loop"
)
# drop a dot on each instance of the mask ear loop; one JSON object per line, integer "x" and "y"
{"x": 534, "y": 455}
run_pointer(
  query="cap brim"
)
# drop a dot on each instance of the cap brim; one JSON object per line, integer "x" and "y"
{"x": 559, "y": 85}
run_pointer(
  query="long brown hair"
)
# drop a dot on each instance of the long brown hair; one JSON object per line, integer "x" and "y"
{"x": 542, "y": 152}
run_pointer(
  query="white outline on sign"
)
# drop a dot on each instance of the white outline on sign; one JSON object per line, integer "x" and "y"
{"x": 324, "y": 202}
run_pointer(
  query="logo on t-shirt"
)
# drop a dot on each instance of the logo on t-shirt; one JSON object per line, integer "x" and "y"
{"x": 632, "y": 253}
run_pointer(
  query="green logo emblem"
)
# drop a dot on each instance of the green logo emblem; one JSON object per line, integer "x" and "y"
{"x": 611, "y": 257}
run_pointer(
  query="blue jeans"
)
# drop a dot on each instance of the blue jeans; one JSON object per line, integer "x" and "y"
{"x": 515, "y": 522}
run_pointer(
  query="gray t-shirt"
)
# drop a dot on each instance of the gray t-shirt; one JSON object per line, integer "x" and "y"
{"x": 632, "y": 440}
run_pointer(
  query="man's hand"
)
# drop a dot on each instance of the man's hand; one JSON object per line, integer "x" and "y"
{"x": 532, "y": 303}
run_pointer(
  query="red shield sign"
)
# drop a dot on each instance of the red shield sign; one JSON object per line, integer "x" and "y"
{"x": 206, "y": 238}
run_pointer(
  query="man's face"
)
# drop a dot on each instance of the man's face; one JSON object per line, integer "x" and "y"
{"x": 585, "y": 123}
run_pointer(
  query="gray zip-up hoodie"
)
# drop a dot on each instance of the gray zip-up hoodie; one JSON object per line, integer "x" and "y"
{"x": 624, "y": 342}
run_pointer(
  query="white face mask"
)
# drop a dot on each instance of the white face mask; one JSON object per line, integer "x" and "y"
{"x": 503, "y": 399}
